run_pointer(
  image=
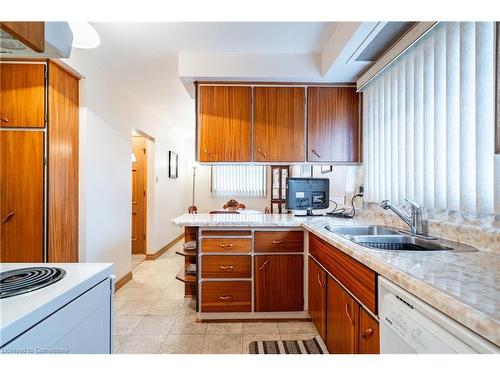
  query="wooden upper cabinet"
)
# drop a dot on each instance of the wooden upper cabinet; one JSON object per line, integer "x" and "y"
{"x": 225, "y": 123}
{"x": 342, "y": 320}
{"x": 278, "y": 283}
{"x": 31, "y": 34}
{"x": 369, "y": 336}
{"x": 279, "y": 116}
{"x": 21, "y": 196}
{"x": 333, "y": 124}
{"x": 317, "y": 296}
{"x": 22, "y": 95}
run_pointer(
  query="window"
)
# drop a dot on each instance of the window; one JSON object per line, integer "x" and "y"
{"x": 238, "y": 181}
{"x": 429, "y": 122}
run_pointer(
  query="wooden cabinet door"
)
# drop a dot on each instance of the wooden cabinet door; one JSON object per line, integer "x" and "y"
{"x": 22, "y": 95}
{"x": 279, "y": 115}
{"x": 317, "y": 296}
{"x": 30, "y": 33}
{"x": 342, "y": 320}
{"x": 278, "y": 283}
{"x": 333, "y": 124}
{"x": 21, "y": 196}
{"x": 225, "y": 123}
{"x": 369, "y": 337}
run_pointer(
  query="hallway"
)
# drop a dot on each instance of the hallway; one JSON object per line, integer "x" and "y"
{"x": 152, "y": 316}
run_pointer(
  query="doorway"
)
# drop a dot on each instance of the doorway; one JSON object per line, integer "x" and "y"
{"x": 139, "y": 198}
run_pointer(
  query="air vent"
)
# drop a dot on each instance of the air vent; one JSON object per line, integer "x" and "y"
{"x": 389, "y": 34}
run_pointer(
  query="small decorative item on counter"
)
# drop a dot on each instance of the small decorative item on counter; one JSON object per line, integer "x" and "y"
{"x": 191, "y": 245}
{"x": 233, "y": 205}
{"x": 191, "y": 269}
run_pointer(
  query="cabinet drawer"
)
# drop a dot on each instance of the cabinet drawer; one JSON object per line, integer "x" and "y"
{"x": 224, "y": 233}
{"x": 226, "y": 296}
{"x": 226, "y": 266}
{"x": 282, "y": 241}
{"x": 359, "y": 279}
{"x": 226, "y": 245}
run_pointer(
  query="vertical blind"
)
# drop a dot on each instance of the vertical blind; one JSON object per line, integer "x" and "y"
{"x": 428, "y": 122}
{"x": 239, "y": 181}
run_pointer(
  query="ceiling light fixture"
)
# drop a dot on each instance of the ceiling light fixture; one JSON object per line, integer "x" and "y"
{"x": 84, "y": 35}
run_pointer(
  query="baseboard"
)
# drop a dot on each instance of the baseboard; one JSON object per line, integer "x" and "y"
{"x": 164, "y": 249}
{"x": 123, "y": 280}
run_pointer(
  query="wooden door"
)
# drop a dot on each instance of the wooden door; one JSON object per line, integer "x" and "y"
{"x": 63, "y": 100}
{"x": 333, "y": 124}
{"x": 21, "y": 193}
{"x": 317, "y": 296}
{"x": 139, "y": 196}
{"x": 278, "y": 283}
{"x": 279, "y": 124}
{"x": 369, "y": 337}
{"x": 342, "y": 320}
{"x": 225, "y": 123}
{"x": 22, "y": 95}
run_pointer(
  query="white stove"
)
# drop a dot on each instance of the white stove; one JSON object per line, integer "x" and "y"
{"x": 56, "y": 308}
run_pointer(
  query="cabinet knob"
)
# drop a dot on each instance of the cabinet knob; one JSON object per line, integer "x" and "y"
{"x": 262, "y": 267}
{"x": 226, "y": 245}
{"x": 348, "y": 313}
{"x": 208, "y": 153}
{"x": 319, "y": 281}
{"x": 316, "y": 153}
{"x": 3, "y": 118}
{"x": 368, "y": 332}
{"x": 276, "y": 242}
{"x": 226, "y": 267}
{"x": 262, "y": 152}
{"x": 225, "y": 298}
{"x": 7, "y": 217}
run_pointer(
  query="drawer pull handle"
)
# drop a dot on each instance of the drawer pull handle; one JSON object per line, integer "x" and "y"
{"x": 208, "y": 153}
{"x": 3, "y": 118}
{"x": 226, "y": 267}
{"x": 319, "y": 282}
{"x": 225, "y": 298}
{"x": 276, "y": 242}
{"x": 7, "y": 217}
{"x": 348, "y": 314}
{"x": 316, "y": 153}
{"x": 368, "y": 332}
{"x": 224, "y": 245}
{"x": 262, "y": 267}
{"x": 262, "y": 152}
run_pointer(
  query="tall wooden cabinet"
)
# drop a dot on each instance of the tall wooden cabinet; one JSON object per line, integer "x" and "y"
{"x": 39, "y": 167}
{"x": 225, "y": 114}
{"x": 317, "y": 297}
{"x": 279, "y": 124}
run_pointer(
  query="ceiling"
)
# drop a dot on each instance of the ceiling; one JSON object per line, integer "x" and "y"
{"x": 157, "y": 62}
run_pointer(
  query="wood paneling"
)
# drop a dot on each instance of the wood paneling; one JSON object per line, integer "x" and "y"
{"x": 190, "y": 234}
{"x": 21, "y": 193}
{"x": 225, "y": 233}
{"x": 278, "y": 283}
{"x": 369, "y": 336}
{"x": 359, "y": 279}
{"x": 226, "y": 266}
{"x": 279, "y": 241}
{"x": 22, "y": 95}
{"x": 63, "y": 106}
{"x": 333, "y": 124}
{"x": 279, "y": 124}
{"x": 139, "y": 187}
{"x": 224, "y": 121}
{"x": 317, "y": 296}
{"x": 226, "y": 245}
{"x": 31, "y": 34}
{"x": 342, "y": 320}
{"x": 226, "y": 296}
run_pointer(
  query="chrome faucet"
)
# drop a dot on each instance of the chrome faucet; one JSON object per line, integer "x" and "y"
{"x": 418, "y": 225}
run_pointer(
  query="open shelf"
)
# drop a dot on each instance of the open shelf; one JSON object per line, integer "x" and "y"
{"x": 185, "y": 278}
{"x": 186, "y": 253}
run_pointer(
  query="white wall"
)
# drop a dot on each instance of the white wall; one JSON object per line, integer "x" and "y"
{"x": 108, "y": 114}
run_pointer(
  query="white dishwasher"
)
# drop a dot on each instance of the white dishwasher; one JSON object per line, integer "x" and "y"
{"x": 409, "y": 325}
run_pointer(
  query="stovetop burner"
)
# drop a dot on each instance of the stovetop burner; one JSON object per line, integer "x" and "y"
{"x": 24, "y": 280}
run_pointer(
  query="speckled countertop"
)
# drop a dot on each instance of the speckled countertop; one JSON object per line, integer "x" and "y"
{"x": 464, "y": 286}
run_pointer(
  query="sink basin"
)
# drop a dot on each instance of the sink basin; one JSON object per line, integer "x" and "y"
{"x": 362, "y": 230}
{"x": 406, "y": 243}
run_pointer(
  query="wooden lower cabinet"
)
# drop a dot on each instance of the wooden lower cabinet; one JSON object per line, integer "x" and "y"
{"x": 342, "y": 320}
{"x": 317, "y": 296}
{"x": 278, "y": 283}
{"x": 369, "y": 336}
{"x": 226, "y": 296}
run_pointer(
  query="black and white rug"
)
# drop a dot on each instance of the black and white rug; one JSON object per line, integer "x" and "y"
{"x": 312, "y": 346}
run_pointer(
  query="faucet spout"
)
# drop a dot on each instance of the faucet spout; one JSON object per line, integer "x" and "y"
{"x": 387, "y": 205}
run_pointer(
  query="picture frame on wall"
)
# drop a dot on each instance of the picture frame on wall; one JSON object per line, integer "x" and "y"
{"x": 173, "y": 165}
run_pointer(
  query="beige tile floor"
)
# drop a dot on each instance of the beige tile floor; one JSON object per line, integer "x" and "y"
{"x": 152, "y": 316}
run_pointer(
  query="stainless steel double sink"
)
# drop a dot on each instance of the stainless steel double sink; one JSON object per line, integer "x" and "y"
{"x": 384, "y": 238}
